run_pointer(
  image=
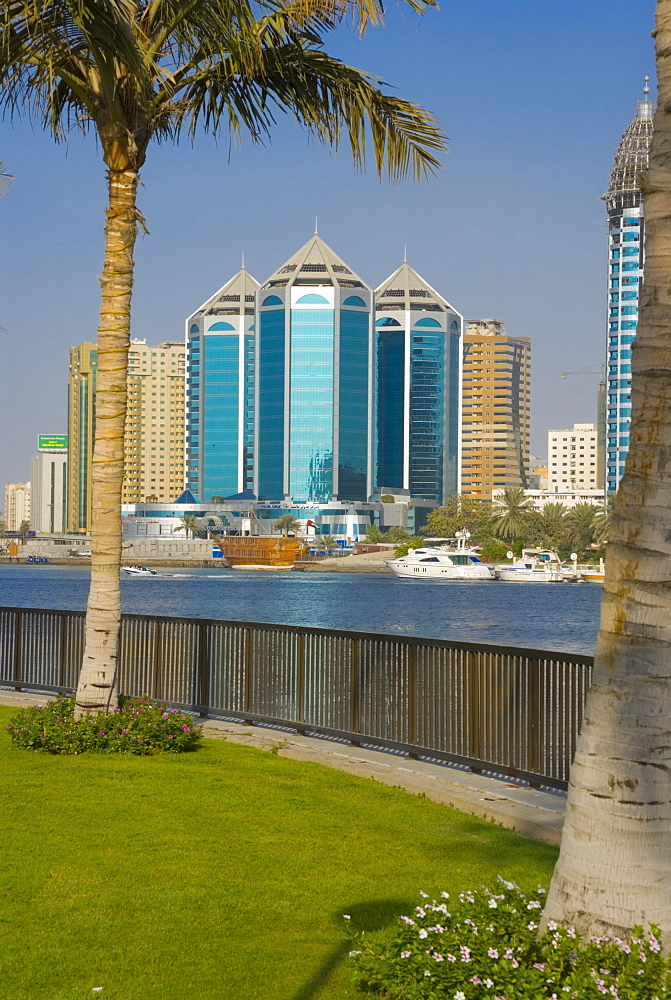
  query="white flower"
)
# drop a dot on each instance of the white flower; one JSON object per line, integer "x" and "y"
{"x": 426, "y": 972}
{"x": 489, "y": 983}
{"x": 445, "y": 895}
{"x": 493, "y": 904}
{"x": 423, "y": 933}
{"x": 352, "y": 953}
{"x": 459, "y": 995}
{"x": 424, "y": 894}
{"x": 345, "y": 916}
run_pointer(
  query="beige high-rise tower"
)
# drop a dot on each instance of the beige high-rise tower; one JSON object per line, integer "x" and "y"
{"x": 496, "y": 409}
{"x": 154, "y": 438}
{"x": 154, "y": 444}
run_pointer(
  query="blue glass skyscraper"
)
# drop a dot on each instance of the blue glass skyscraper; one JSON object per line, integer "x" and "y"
{"x": 314, "y": 387}
{"x": 220, "y": 391}
{"x": 625, "y": 274}
{"x": 418, "y": 388}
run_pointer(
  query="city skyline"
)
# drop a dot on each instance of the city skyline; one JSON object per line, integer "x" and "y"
{"x": 513, "y": 224}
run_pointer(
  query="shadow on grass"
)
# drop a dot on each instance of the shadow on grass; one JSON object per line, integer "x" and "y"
{"x": 376, "y": 914}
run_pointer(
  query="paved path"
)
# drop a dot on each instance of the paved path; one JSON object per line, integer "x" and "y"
{"x": 533, "y": 812}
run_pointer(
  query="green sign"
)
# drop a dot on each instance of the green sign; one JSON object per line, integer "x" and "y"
{"x": 52, "y": 442}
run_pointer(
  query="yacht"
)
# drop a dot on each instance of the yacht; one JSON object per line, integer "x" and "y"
{"x": 444, "y": 562}
{"x": 534, "y": 566}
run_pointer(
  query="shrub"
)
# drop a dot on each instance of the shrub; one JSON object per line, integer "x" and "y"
{"x": 138, "y": 726}
{"x": 486, "y": 944}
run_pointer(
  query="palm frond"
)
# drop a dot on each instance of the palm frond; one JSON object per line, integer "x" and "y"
{"x": 5, "y": 180}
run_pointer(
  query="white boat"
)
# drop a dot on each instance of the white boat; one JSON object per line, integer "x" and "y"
{"x": 577, "y": 572}
{"x": 139, "y": 571}
{"x": 444, "y": 562}
{"x": 534, "y": 566}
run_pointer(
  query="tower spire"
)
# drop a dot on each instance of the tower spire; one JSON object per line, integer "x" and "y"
{"x": 405, "y": 253}
{"x": 646, "y": 88}
{"x": 242, "y": 267}
{"x": 316, "y": 225}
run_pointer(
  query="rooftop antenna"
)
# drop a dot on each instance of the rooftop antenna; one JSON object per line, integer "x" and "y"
{"x": 243, "y": 260}
{"x": 316, "y": 225}
{"x": 405, "y": 253}
{"x": 646, "y": 88}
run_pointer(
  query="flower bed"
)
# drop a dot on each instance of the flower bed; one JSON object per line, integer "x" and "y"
{"x": 486, "y": 944}
{"x": 138, "y": 726}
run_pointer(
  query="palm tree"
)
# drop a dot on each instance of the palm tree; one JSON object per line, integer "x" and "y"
{"x": 328, "y": 542}
{"x": 602, "y": 520}
{"x": 614, "y": 868}
{"x": 512, "y": 513}
{"x": 190, "y": 524}
{"x": 286, "y": 523}
{"x": 580, "y": 522}
{"x": 134, "y": 71}
{"x": 549, "y": 525}
{"x": 5, "y": 179}
{"x": 24, "y": 528}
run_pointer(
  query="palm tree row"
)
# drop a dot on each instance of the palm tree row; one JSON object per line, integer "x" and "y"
{"x": 552, "y": 526}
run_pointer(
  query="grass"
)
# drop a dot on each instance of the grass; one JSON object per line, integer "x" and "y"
{"x": 216, "y": 875}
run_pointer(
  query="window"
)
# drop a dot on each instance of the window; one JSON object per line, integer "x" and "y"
{"x": 311, "y": 299}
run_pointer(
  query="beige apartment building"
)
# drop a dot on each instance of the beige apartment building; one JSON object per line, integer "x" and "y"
{"x": 17, "y": 504}
{"x": 572, "y": 459}
{"x": 154, "y": 437}
{"x": 154, "y": 445}
{"x": 496, "y": 403}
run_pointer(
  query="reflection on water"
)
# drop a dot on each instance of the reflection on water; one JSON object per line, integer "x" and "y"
{"x": 559, "y": 616}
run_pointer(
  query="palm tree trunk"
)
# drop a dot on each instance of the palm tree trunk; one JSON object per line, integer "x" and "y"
{"x": 97, "y": 687}
{"x": 614, "y": 870}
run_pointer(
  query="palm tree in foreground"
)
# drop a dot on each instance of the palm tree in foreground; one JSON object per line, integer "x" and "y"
{"x": 135, "y": 71}
{"x": 614, "y": 869}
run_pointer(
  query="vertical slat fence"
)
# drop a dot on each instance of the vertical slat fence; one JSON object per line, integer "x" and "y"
{"x": 491, "y": 708}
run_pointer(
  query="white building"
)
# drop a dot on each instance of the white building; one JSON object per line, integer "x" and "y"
{"x": 572, "y": 459}
{"x": 17, "y": 504}
{"x": 569, "y": 498}
{"x": 49, "y": 491}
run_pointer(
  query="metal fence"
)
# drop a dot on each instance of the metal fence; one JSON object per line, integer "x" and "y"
{"x": 494, "y": 708}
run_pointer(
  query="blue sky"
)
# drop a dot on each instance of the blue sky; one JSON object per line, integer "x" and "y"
{"x": 534, "y": 96}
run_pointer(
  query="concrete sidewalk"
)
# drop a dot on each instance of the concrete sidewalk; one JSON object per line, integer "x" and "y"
{"x": 530, "y": 811}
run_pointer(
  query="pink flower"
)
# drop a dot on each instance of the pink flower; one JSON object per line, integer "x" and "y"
{"x": 405, "y": 954}
{"x": 492, "y": 952}
{"x": 451, "y": 958}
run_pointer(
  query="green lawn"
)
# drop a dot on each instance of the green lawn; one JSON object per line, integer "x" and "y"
{"x": 216, "y": 875}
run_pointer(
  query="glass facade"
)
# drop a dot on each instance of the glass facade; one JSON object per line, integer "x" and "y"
{"x": 353, "y": 402}
{"x": 625, "y": 237}
{"x": 270, "y": 411}
{"x": 220, "y": 423}
{"x": 390, "y": 396}
{"x": 311, "y": 403}
{"x": 417, "y": 400}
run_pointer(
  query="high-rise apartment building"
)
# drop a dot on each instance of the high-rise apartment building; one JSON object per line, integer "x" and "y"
{"x": 154, "y": 433}
{"x": 625, "y": 267}
{"x": 496, "y": 409}
{"x": 81, "y": 424}
{"x": 417, "y": 394}
{"x": 573, "y": 459}
{"x": 49, "y": 487}
{"x": 17, "y": 504}
{"x": 220, "y": 391}
{"x": 314, "y": 385}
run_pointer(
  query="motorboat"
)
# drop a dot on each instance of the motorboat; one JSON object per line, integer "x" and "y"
{"x": 533, "y": 566}
{"x": 139, "y": 571}
{"x": 442, "y": 562}
{"x": 584, "y": 572}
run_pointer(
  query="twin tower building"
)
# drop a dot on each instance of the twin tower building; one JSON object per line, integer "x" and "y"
{"x": 312, "y": 387}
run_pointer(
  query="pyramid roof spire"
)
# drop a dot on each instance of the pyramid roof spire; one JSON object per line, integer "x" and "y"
{"x": 406, "y": 289}
{"x": 315, "y": 263}
{"x": 236, "y": 294}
